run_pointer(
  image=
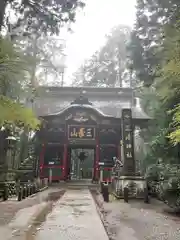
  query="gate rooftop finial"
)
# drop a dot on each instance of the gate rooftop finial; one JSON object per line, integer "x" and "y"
{"x": 81, "y": 100}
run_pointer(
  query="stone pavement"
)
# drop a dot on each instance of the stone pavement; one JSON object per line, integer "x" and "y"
{"x": 8, "y": 209}
{"x": 73, "y": 217}
{"x": 16, "y": 218}
{"x": 21, "y": 222}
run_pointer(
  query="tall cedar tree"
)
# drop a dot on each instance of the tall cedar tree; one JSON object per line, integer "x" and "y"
{"x": 148, "y": 35}
{"x": 42, "y": 15}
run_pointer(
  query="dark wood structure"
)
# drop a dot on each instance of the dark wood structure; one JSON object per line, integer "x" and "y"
{"x": 86, "y": 118}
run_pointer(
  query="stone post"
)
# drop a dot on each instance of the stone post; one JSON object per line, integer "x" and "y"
{"x": 128, "y": 143}
{"x": 50, "y": 175}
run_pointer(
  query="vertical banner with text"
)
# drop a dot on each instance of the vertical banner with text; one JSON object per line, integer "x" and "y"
{"x": 128, "y": 142}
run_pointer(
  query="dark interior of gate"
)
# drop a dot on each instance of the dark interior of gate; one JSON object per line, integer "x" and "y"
{"x": 75, "y": 140}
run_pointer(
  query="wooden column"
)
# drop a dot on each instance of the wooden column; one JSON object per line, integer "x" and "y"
{"x": 96, "y": 167}
{"x": 41, "y": 160}
{"x": 128, "y": 143}
{"x": 65, "y": 158}
{"x": 97, "y": 157}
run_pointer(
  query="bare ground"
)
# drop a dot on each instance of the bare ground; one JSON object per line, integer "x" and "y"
{"x": 9, "y": 208}
{"x": 137, "y": 221}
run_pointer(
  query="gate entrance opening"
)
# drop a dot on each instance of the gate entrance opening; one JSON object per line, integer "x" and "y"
{"x": 81, "y": 163}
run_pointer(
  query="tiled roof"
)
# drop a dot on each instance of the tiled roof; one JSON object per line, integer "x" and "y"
{"x": 110, "y": 108}
{"x": 111, "y": 105}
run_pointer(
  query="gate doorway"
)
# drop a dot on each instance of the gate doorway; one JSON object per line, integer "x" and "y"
{"x": 81, "y": 163}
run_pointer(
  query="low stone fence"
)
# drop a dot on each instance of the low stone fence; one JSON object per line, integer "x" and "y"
{"x": 21, "y": 190}
{"x": 134, "y": 186}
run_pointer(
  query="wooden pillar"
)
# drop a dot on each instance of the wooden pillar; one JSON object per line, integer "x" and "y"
{"x": 97, "y": 159}
{"x": 119, "y": 152}
{"x": 41, "y": 160}
{"x": 65, "y": 158}
{"x": 128, "y": 143}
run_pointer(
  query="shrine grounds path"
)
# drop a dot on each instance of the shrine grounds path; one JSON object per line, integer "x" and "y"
{"x": 10, "y": 208}
{"x": 76, "y": 216}
{"x": 138, "y": 221}
{"x": 73, "y": 218}
{"x": 15, "y": 216}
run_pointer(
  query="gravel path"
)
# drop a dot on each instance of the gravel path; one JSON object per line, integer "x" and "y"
{"x": 139, "y": 221}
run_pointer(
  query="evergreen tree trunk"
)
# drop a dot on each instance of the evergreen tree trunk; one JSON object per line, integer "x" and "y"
{"x": 3, "y": 4}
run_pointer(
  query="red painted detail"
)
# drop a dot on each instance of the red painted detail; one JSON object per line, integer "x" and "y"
{"x": 65, "y": 161}
{"x": 97, "y": 159}
{"x": 42, "y": 159}
{"x": 57, "y": 178}
{"x": 107, "y": 169}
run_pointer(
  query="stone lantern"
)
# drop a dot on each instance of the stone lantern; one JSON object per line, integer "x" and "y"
{"x": 8, "y": 173}
{"x": 11, "y": 152}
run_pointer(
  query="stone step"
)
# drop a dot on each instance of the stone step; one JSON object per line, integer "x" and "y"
{"x": 77, "y": 184}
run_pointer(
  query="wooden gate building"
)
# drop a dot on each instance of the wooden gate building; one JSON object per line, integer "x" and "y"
{"x": 85, "y": 118}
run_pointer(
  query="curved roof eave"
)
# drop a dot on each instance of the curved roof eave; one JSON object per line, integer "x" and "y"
{"x": 85, "y": 106}
{"x": 137, "y": 112}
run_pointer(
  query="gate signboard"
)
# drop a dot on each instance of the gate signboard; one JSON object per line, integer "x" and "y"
{"x": 81, "y": 132}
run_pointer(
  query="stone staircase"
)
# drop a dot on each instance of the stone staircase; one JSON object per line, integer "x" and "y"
{"x": 77, "y": 184}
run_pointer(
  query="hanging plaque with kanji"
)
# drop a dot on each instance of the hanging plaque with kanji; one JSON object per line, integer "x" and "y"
{"x": 128, "y": 142}
{"x": 79, "y": 132}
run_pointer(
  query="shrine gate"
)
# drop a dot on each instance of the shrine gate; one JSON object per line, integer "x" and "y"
{"x": 84, "y": 128}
